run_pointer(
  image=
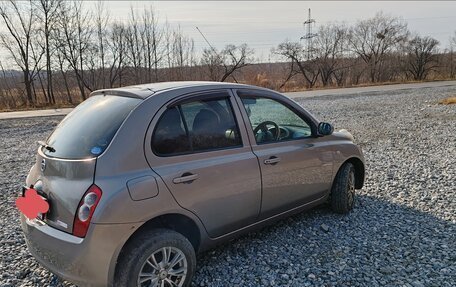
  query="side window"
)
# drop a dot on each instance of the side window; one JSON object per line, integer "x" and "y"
{"x": 211, "y": 124}
{"x": 272, "y": 121}
{"x": 200, "y": 125}
{"x": 170, "y": 136}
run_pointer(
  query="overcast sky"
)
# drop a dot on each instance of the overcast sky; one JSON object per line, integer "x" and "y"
{"x": 264, "y": 24}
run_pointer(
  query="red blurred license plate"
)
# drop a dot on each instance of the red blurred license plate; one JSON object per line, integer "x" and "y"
{"x": 33, "y": 203}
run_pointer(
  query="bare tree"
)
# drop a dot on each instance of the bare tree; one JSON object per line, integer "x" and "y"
{"x": 451, "y": 56}
{"x": 235, "y": 58}
{"x": 183, "y": 49}
{"x": 421, "y": 57}
{"x": 168, "y": 44}
{"x": 58, "y": 43}
{"x": 224, "y": 64}
{"x": 6, "y": 89}
{"x": 453, "y": 40}
{"x": 374, "y": 38}
{"x": 213, "y": 62}
{"x": 19, "y": 19}
{"x": 117, "y": 46}
{"x": 93, "y": 71}
{"x": 75, "y": 41}
{"x": 62, "y": 68}
{"x": 101, "y": 21}
{"x": 329, "y": 48}
{"x": 133, "y": 38}
{"x": 37, "y": 52}
{"x": 294, "y": 52}
{"x": 290, "y": 74}
{"x": 152, "y": 36}
{"x": 49, "y": 11}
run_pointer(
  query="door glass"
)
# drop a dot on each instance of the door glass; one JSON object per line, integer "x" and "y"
{"x": 170, "y": 136}
{"x": 211, "y": 124}
{"x": 195, "y": 126}
{"x": 273, "y": 121}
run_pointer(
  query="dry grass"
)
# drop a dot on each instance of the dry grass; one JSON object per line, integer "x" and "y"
{"x": 448, "y": 101}
{"x": 37, "y": 107}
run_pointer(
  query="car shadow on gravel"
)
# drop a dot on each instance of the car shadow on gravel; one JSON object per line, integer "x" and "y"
{"x": 379, "y": 243}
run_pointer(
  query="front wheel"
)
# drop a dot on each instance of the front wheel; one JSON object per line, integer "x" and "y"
{"x": 161, "y": 257}
{"x": 342, "y": 197}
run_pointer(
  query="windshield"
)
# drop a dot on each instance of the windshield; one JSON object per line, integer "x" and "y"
{"x": 90, "y": 127}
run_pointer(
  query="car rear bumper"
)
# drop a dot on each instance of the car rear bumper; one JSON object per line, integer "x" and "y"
{"x": 88, "y": 261}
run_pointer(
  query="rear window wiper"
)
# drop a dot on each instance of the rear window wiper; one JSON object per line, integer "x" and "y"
{"x": 46, "y": 146}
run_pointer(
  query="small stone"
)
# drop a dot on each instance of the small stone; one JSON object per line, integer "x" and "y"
{"x": 324, "y": 227}
{"x": 285, "y": 276}
{"x": 21, "y": 274}
{"x": 385, "y": 270}
{"x": 417, "y": 284}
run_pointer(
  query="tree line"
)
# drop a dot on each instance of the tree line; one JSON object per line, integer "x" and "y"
{"x": 379, "y": 49}
{"x": 63, "y": 51}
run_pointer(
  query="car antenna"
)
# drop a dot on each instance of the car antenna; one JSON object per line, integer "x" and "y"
{"x": 205, "y": 39}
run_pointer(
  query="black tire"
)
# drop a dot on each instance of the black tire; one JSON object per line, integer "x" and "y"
{"x": 342, "y": 197}
{"x": 133, "y": 258}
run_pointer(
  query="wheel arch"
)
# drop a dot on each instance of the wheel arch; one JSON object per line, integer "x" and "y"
{"x": 360, "y": 171}
{"x": 176, "y": 222}
{"x": 173, "y": 221}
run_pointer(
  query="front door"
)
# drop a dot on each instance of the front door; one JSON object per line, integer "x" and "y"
{"x": 296, "y": 167}
{"x": 199, "y": 153}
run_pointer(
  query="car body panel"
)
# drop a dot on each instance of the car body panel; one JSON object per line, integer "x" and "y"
{"x": 85, "y": 261}
{"x": 64, "y": 183}
{"x": 209, "y": 243}
{"x": 345, "y": 150}
{"x": 223, "y": 205}
{"x": 302, "y": 175}
{"x": 142, "y": 187}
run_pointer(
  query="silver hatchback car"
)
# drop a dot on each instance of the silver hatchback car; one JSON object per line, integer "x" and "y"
{"x": 140, "y": 179}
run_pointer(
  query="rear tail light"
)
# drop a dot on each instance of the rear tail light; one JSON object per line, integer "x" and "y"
{"x": 85, "y": 211}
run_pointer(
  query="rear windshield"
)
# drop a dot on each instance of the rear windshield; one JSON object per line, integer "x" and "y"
{"x": 90, "y": 127}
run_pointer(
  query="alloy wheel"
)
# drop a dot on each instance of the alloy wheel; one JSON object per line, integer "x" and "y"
{"x": 166, "y": 267}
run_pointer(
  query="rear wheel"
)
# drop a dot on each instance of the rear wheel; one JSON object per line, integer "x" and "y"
{"x": 342, "y": 197}
{"x": 161, "y": 257}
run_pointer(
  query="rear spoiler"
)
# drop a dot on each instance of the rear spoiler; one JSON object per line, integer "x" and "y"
{"x": 141, "y": 94}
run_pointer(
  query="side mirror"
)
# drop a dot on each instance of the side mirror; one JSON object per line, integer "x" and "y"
{"x": 325, "y": 129}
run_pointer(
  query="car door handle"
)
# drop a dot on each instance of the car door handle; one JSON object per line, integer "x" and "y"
{"x": 272, "y": 160}
{"x": 186, "y": 177}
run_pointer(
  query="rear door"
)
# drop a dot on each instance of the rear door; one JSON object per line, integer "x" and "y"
{"x": 202, "y": 154}
{"x": 65, "y": 170}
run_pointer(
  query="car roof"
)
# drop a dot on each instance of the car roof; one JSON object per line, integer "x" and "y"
{"x": 146, "y": 90}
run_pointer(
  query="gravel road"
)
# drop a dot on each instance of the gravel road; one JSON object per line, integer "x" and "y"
{"x": 402, "y": 231}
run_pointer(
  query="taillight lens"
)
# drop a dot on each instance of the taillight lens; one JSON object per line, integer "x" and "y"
{"x": 85, "y": 210}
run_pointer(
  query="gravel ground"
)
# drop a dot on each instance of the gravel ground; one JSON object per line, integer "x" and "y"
{"x": 402, "y": 231}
